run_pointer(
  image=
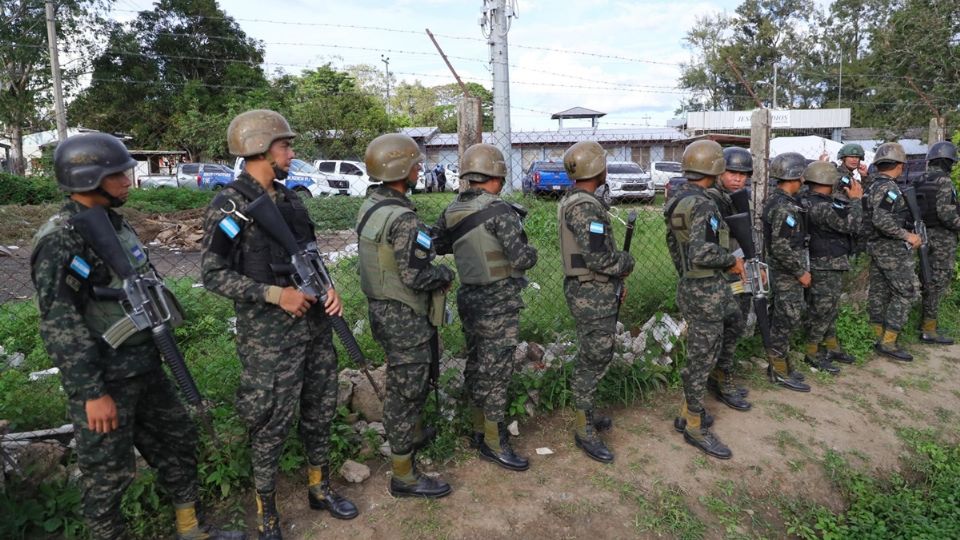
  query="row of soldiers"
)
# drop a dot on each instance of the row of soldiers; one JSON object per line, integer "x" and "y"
{"x": 120, "y": 398}
{"x": 812, "y": 223}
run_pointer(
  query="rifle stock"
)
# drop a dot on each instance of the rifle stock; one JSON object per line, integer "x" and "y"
{"x": 920, "y": 229}
{"x": 308, "y": 273}
{"x": 755, "y": 270}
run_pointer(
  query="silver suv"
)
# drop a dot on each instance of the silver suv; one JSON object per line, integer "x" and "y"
{"x": 627, "y": 180}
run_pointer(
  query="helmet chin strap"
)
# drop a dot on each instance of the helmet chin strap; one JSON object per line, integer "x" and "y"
{"x": 113, "y": 201}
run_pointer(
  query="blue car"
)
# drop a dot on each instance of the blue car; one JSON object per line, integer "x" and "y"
{"x": 546, "y": 177}
{"x": 213, "y": 176}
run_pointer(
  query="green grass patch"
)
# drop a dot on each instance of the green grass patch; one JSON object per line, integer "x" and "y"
{"x": 166, "y": 200}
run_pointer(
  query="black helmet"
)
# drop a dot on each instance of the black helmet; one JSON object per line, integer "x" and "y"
{"x": 81, "y": 162}
{"x": 788, "y": 166}
{"x": 738, "y": 159}
{"x": 943, "y": 150}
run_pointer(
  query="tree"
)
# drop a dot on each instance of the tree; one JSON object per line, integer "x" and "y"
{"x": 444, "y": 112}
{"x": 171, "y": 76}
{"x": 25, "y": 87}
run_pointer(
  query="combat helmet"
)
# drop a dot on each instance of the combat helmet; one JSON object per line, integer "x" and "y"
{"x": 821, "y": 172}
{"x": 737, "y": 159}
{"x": 82, "y": 162}
{"x": 585, "y": 160}
{"x": 788, "y": 166}
{"x": 890, "y": 152}
{"x": 391, "y": 157}
{"x": 943, "y": 150}
{"x": 851, "y": 150}
{"x": 251, "y": 133}
{"x": 484, "y": 159}
{"x": 703, "y": 158}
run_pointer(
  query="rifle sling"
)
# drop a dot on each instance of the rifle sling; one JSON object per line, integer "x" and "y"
{"x": 476, "y": 219}
{"x": 374, "y": 208}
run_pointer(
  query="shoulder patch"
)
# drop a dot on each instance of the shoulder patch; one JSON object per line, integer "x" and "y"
{"x": 892, "y": 195}
{"x": 229, "y": 227}
{"x": 138, "y": 254}
{"x": 714, "y": 223}
{"x": 80, "y": 266}
{"x": 424, "y": 240}
{"x": 596, "y": 227}
{"x": 791, "y": 221}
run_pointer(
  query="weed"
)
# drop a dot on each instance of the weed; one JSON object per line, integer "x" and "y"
{"x": 669, "y": 515}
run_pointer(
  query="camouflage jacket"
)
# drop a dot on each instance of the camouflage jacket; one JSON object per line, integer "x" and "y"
{"x": 888, "y": 210}
{"x": 704, "y": 249}
{"x": 832, "y": 225}
{"x": 505, "y": 293}
{"x": 603, "y": 258}
{"x": 784, "y": 234}
{"x": 63, "y": 287}
{"x": 259, "y": 317}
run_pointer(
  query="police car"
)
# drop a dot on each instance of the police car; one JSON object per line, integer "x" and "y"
{"x": 303, "y": 178}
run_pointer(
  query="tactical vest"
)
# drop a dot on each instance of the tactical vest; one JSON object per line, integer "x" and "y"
{"x": 573, "y": 262}
{"x": 379, "y": 273}
{"x": 478, "y": 252}
{"x": 827, "y": 242}
{"x": 679, "y": 217}
{"x": 101, "y": 314}
{"x": 901, "y": 213}
{"x": 262, "y": 250}
{"x": 798, "y": 233}
{"x": 927, "y": 198}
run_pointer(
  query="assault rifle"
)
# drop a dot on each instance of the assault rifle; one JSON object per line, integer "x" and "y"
{"x": 145, "y": 300}
{"x": 627, "y": 240}
{"x": 741, "y": 229}
{"x": 741, "y": 201}
{"x": 920, "y": 229}
{"x": 307, "y": 272}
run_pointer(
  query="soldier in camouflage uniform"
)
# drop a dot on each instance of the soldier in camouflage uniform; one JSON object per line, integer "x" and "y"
{"x": 397, "y": 277}
{"x": 937, "y": 197}
{"x": 284, "y": 341}
{"x": 894, "y": 286}
{"x": 738, "y": 167}
{"x": 784, "y": 238}
{"x": 491, "y": 250}
{"x": 119, "y": 398}
{"x": 594, "y": 285}
{"x": 833, "y": 224}
{"x": 698, "y": 240}
{"x": 850, "y": 166}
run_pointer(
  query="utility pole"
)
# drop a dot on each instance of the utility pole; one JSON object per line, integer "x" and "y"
{"x": 495, "y": 23}
{"x": 55, "y": 68}
{"x": 386, "y": 70}
{"x": 840, "y": 85}
{"x": 774, "y": 86}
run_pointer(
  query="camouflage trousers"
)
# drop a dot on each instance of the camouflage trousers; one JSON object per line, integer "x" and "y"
{"x": 593, "y": 305}
{"x": 405, "y": 337}
{"x": 733, "y": 329}
{"x": 894, "y": 286}
{"x": 491, "y": 341}
{"x": 274, "y": 381}
{"x": 713, "y": 317}
{"x": 153, "y": 420}
{"x": 943, "y": 258}
{"x": 788, "y": 306}
{"x": 823, "y": 303}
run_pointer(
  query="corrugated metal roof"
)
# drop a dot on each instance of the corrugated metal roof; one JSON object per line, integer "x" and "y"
{"x": 570, "y": 136}
{"x": 577, "y": 112}
{"x": 420, "y": 132}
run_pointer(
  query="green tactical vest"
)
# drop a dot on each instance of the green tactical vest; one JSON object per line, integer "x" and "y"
{"x": 379, "y": 274}
{"x": 479, "y": 254}
{"x": 680, "y": 220}
{"x": 573, "y": 264}
{"x": 100, "y": 315}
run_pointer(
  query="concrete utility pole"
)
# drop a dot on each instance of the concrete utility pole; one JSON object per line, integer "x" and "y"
{"x": 775, "y": 86}
{"x": 495, "y": 23}
{"x": 760, "y": 148}
{"x": 55, "y": 68}
{"x": 386, "y": 70}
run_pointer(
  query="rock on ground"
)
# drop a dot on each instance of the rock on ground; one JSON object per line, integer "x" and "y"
{"x": 354, "y": 472}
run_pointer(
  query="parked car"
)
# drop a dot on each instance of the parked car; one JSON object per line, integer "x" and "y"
{"x": 627, "y": 180}
{"x": 546, "y": 177}
{"x": 662, "y": 171}
{"x": 303, "y": 178}
{"x": 350, "y": 177}
{"x": 187, "y": 175}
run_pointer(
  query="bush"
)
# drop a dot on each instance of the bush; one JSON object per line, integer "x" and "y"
{"x": 16, "y": 189}
{"x": 165, "y": 200}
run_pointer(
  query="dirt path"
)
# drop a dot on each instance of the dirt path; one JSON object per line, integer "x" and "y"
{"x": 659, "y": 486}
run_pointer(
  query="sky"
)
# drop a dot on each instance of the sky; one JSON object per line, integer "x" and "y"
{"x": 620, "y": 57}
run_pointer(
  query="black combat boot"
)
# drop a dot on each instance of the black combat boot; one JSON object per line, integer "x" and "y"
{"x": 407, "y": 481}
{"x": 476, "y": 439}
{"x": 269, "y": 526}
{"x": 930, "y": 334}
{"x": 587, "y": 440}
{"x": 602, "y": 423}
{"x": 835, "y": 352}
{"x": 322, "y": 497}
{"x": 697, "y": 435}
{"x": 777, "y": 373}
{"x": 502, "y": 454}
{"x": 821, "y": 362}
{"x": 889, "y": 347}
{"x": 680, "y": 422}
{"x": 190, "y": 525}
{"x": 727, "y": 392}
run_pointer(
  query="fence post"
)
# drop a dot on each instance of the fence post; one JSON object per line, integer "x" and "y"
{"x": 469, "y": 128}
{"x": 760, "y": 148}
{"x": 937, "y": 131}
